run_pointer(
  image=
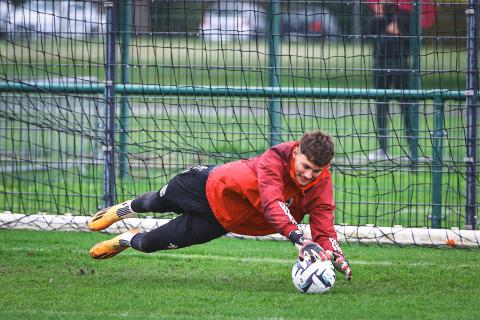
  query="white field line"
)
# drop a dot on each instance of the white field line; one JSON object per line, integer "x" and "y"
{"x": 180, "y": 256}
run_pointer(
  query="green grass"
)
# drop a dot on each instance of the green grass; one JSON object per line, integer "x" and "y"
{"x": 49, "y": 275}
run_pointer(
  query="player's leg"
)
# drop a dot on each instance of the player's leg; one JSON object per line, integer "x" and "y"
{"x": 109, "y": 248}
{"x": 148, "y": 202}
{"x": 183, "y": 231}
{"x": 382, "y": 123}
{"x": 183, "y": 193}
{"x": 187, "y": 191}
{"x": 106, "y": 217}
{"x": 407, "y": 106}
{"x": 381, "y": 81}
{"x": 153, "y": 201}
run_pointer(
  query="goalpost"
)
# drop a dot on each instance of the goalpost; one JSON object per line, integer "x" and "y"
{"x": 368, "y": 234}
{"x": 121, "y": 95}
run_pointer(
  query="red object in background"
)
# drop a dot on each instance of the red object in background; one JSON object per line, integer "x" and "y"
{"x": 316, "y": 26}
{"x": 428, "y": 10}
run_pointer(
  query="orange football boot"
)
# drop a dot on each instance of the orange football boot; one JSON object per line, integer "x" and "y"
{"x": 108, "y": 216}
{"x": 109, "y": 248}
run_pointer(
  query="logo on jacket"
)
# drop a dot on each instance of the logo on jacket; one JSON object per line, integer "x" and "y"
{"x": 287, "y": 212}
{"x": 163, "y": 190}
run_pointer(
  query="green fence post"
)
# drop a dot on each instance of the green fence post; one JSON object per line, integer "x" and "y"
{"x": 125, "y": 23}
{"x": 471, "y": 156}
{"x": 274, "y": 46}
{"x": 109, "y": 196}
{"x": 437, "y": 166}
{"x": 415, "y": 40}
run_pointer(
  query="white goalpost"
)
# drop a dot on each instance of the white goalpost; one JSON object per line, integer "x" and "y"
{"x": 368, "y": 234}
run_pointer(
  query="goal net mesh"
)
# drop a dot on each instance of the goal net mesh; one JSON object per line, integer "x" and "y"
{"x": 102, "y": 101}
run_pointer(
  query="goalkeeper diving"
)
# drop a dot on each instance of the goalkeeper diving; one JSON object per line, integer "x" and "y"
{"x": 259, "y": 196}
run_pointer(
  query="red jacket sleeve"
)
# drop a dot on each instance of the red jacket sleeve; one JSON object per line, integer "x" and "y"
{"x": 271, "y": 172}
{"x": 320, "y": 205}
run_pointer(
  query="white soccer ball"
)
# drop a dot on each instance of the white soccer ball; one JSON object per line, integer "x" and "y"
{"x": 316, "y": 277}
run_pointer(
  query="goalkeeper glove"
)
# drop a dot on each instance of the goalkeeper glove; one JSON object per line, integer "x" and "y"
{"x": 298, "y": 238}
{"x": 312, "y": 250}
{"x": 340, "y": 263}
{"x": 306, "y": 247}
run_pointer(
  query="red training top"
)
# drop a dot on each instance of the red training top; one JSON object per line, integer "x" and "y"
{"x": 260, "y": 196}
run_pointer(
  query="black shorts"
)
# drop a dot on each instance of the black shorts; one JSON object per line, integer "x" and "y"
{"x": 185, "y": 194}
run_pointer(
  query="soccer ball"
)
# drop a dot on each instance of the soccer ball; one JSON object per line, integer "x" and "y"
{"x": 316, "y": 277}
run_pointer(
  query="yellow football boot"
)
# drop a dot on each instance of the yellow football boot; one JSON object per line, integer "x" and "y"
{"x": 109, "y": 248}
{"x": 108, "y": 216}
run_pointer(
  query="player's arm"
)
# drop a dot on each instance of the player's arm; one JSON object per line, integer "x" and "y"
{"x": 321, "y": 207}
{"x": 307, "y": 249}
{"x": 270, "y": 174}
{"x": 323, "y": 233}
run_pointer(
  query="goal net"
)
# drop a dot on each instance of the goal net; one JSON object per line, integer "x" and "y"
{"x": 101, "y": 101}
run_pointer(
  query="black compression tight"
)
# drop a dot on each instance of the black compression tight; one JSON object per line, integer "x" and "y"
{"x": 184, "y": 195}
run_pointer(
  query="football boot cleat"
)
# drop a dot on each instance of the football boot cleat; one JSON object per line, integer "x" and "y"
{"x": 109, "y": 248}
{"x": 108, "y": 216}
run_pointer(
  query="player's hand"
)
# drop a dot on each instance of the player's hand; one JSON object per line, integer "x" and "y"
{"x": 312, "y": 250}
{"x": 298, "y": 238}
{"x": 393, "y": 28}
{"x": 306, "y": 247}
{"x": 340, "y": 263}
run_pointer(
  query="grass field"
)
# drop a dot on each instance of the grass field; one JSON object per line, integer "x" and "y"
{"x": 49, "y": 275}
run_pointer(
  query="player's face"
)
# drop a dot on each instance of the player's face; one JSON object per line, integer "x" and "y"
{"x": 305, "y": 170}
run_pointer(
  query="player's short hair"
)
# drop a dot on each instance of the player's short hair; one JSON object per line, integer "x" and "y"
{"x": 318, "y": 147}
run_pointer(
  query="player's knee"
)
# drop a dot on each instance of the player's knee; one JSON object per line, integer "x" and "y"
{"x": 147, "y": 202}
{"x": 140, "y": 243}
